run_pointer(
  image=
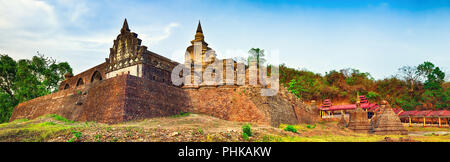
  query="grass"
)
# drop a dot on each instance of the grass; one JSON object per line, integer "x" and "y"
{"x": 34, "y": 132}
{"x": 13, "y": 123}
{"x": 182, "y": 114}
{"x": 427, "y": 129}
{"x": 330, "y": 138}
{"x": 246, "y": 128}
{"x": 290, "y": 128}
{"x": 76, "y": 136}
{"x": 197, "y": 127}
{"x": 298, "y": 127}
{"x": 60, "y": 118}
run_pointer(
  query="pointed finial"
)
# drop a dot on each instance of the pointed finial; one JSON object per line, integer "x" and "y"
{"x": 199, "y": 27}
{"x": 125, "y": 26}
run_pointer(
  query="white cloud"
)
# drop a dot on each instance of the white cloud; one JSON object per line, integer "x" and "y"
{"x": 56, "y": 29}
{"x": 26, "y": 14}
{"x": 74, "y": 9}
{"x": 166, "y": 32}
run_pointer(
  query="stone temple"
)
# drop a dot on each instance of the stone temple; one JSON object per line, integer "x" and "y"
{"x": 136, "y": 83}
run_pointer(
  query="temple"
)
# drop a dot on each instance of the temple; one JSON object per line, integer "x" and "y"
{"x": 136, "y": 83}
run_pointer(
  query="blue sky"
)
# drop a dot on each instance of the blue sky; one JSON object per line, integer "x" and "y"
{"x": 374, "y": 36}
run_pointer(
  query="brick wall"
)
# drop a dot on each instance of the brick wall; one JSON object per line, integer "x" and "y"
{"x": 148, "y": 98}
{"x": 117, "y": 99}
{"x": 128, "y": 97}
{"x": 226, "y": 103}
{"x": 245, "y": 104}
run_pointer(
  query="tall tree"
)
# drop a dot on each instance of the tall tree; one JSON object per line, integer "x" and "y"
{"x": 24, "y": 79}
{"x": 410, "y": 74}
{"x": 258, "y": 55}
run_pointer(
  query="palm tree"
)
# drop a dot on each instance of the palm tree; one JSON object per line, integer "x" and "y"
{"x": 258, "y": 54}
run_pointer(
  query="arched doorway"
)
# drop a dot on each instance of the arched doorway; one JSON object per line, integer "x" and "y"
{"x": 80, "y": 82}
{"x": 66, "y": 86}
{"x": 96, "y": 77}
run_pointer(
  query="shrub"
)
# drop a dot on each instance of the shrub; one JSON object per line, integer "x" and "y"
{"x": 372, "y": 96}
{"x": 76, "y": 137}
{"x": 245, "y": 136}
{"x": 182, "y": 114}
{"x": 60, "y": 118}
{"x": 247, "y": 129}
{"x": 200, "y": 130}
{"x": 290, "y": 128}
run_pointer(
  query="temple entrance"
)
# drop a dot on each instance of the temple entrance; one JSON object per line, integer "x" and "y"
{"x": 96, "y": 77}
{"x": 80, "y": 82}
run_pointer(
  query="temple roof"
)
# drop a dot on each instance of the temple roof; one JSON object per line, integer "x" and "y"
{"x": 125, "y": 26}
{"x": 199, "y": 27}
{"x": 425, "y": 113}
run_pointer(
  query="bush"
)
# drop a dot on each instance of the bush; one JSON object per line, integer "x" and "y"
{"x": 60, "y": 118}
{"x": 182, "y": 114}
{"x": 245, "y": 136}
{"x": 76, "y": 137}
{"x": 290, "y": 128}
{"x": 373, "y": 96}
{"x": 247, "y": 129}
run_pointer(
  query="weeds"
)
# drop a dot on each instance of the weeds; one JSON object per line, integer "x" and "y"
{"x": 291, "y": 128}
{"x": 60, "y": 118}
{"x": 76, "y": 137}
{"x": 200, "y": 130}
{"x": 245, "y": 136}
{"x": 311, "y": 126}
{"x": 97, "y": 138}
{"x": 247, "y": 129}
{"x": 182, "y": 114}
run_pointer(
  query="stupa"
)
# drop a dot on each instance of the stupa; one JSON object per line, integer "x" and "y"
{"x": 387, "y": 122}
{"x": 343, "y": 122}
{"x": 359, "y": 121}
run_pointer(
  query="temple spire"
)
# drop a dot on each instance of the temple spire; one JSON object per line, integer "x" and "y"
{"x": 199, "y": 27}
{"x": 199, "y": 37}
{"x": 125, "y": 26}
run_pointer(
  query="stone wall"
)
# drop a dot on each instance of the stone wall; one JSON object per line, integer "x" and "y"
{"x": 128, "y": 97}
{"x": 100, "y": 101}
{"x": 226, "y": 103}
{"x": 117, "y": 99}
{"x": 147, "y": 98}
{"x": 245, "y": 104}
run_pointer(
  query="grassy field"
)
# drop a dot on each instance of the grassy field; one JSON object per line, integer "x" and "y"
{"x": 197, "y": 128}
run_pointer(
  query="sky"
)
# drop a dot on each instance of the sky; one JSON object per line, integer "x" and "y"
{"x": 318, "y": 35}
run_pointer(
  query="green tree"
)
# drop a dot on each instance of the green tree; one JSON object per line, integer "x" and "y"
{"x": 305, "y": 86}
{"x": 24, "y": 79}
{"x": 258, "y": 55}
{"x": 423, "y": 70}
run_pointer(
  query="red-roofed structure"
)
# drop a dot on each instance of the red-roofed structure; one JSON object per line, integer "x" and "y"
{"x": 328, "y": 110}
{"x": 425, "y": 116}
{"x": 397, "y": 110}
{"x": 430, "y": 117}
{"x": 423, "y": 113}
